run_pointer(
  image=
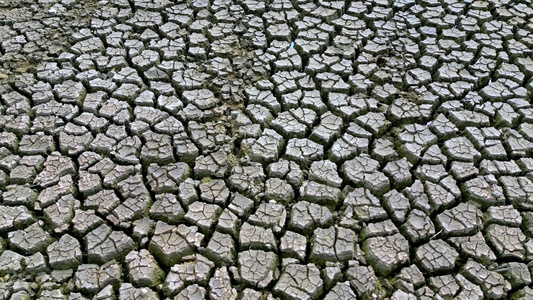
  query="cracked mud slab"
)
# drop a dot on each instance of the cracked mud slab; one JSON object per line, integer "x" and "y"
{"x": 245, "y": 149}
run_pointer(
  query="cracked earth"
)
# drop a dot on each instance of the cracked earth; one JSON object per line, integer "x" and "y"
{"x": 247, "y": 149}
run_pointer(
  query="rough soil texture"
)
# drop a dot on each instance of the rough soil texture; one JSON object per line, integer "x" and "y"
{"x": 246, "y": 149}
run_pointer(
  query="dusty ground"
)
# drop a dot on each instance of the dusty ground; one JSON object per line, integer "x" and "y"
{"x": 228, "y": 149}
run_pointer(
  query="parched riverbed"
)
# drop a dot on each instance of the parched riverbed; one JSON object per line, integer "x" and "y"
{"x": 248, "y": 149}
